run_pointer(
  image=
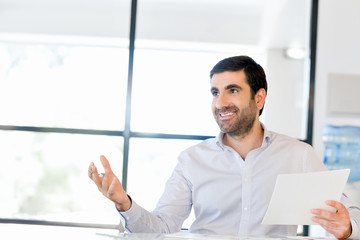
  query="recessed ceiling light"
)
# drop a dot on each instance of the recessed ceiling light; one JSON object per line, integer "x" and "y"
{"x": 295, "y": 53}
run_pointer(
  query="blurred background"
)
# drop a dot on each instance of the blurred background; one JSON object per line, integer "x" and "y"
{"x": 130, "y": 80}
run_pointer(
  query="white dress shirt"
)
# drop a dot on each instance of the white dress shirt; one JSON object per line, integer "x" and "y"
{"x": 230, "y": 195}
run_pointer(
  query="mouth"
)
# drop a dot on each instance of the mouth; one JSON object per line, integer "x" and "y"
{"x": 226, "y": 115}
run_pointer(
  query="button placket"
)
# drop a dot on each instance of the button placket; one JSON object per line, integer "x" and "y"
{"x": 246, "y": 199}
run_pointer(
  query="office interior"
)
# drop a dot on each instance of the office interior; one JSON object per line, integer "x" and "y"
{"x": 129, "y": 79}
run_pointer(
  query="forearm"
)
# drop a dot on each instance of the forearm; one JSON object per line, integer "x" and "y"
{"x": 138, "y": 220}
{"x": 172, "y": 209}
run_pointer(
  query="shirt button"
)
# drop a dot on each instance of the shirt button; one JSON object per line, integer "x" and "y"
{"x": 245, "y": 179}
{"x": 127, "y": 218}
{"x": 245, "y": 208}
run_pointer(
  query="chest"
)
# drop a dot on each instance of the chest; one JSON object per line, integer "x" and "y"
{"x": 226, "y": 178}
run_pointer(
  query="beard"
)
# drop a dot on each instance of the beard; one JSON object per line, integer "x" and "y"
{"x": 242, "y": 123}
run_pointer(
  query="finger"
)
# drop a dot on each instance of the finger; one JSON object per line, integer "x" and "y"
{"x": 324, "y": 222}
{"x": 90, "y": 170}
{"x": 93, "y": 175}
{"x": 340, "y": 208}
{"x": 337, "y": 223}
{"x": 338, "y": 229}
{"x": 323, "y": 214}
{"x": 105, "y": 183}
{"x": 105, "y": 164}
{"x": 96, "y": 178}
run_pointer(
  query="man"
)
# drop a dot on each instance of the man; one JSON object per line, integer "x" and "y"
{"x": 228, "y": 180}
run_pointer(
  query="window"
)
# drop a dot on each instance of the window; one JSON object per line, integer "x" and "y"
{"x": 63, "y": 86}
{"x": 44, "y": 176}
{"x": 75, "y": 90}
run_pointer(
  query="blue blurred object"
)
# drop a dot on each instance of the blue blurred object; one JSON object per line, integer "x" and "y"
{"x": 342, "y": 149}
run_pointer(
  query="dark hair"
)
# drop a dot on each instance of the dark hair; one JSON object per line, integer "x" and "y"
{"x": 255, "y": 75}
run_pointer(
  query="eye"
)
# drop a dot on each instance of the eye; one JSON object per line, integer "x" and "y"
{"x": 214, "y": 93}
{"x": 233, "y": 90}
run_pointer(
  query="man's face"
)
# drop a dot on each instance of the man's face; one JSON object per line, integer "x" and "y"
{"x": 232, "y": 106}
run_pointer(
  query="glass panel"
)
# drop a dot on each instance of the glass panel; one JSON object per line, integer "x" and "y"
{"x": 63, "y": 86}
{"x": 44, "y": 176}
{"x": 150, "y": 168}
{"x": 172, "y": 95}
{"x": 178, "y": 42}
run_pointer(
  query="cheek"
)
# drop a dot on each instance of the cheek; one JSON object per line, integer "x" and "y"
{"x": 213, "y": 109}
{"x": 213, "y": 106}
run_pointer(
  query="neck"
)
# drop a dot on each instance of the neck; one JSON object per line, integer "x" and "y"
{"x": 245, "y": 143}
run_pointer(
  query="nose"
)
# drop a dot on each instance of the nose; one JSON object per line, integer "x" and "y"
{"x": 221, "y": 101}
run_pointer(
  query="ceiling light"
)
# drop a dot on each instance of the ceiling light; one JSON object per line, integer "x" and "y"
{"x": 295, "y": 53}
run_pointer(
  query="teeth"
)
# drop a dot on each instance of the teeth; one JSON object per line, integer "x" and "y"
{"x": 227, "y": 114}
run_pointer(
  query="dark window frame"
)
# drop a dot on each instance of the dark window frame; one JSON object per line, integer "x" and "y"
{"x": 127, "y": 134}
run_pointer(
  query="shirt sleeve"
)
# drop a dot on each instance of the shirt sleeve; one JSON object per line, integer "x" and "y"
{"x": 354, "y": 212}
{"x": 171, "y": 211}
{"x": 138, "y": 219}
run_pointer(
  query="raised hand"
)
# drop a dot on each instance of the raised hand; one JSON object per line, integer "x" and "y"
{"x": 109, "y": 185}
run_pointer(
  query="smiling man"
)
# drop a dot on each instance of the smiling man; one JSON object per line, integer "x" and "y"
{"x": 236, "y": 107}
{"x": 228, "y": 180}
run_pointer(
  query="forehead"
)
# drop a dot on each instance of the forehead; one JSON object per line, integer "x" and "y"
{"x": 223, "y": 79}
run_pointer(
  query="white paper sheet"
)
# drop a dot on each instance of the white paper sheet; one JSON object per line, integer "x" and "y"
{"x": 295, "y": 195}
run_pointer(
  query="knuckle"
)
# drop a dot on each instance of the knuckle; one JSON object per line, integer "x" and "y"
{"x": 110, "y": 194}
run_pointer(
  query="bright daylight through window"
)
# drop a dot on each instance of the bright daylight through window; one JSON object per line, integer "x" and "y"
{"x": 72, "y": 92}
{"x": 83, "y": 91}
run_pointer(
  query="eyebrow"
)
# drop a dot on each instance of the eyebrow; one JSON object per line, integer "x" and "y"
{"x": 230, "y": 86}
{"x": 213, "y": 89}
{"x": 233, "y": 86}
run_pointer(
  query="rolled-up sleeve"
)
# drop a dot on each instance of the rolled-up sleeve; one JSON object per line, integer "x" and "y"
{"x": 171, "y": 211}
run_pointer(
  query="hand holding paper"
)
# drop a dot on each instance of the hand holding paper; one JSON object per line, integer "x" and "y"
{"x": 337, "y": 223}
{"x": 295, "y": 195}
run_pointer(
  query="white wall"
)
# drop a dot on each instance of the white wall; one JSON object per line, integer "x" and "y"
{"x": 338, "y": 51}
{"x": 109, "y": 18}
{"x": 286, "y": 80}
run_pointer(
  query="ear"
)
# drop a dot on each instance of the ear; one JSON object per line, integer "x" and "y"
{"x": 260, "y": 98}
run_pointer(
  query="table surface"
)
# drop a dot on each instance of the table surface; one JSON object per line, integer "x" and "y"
{"x": 38, "y": 232}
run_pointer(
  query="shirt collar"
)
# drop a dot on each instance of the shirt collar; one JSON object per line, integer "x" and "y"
{"x": 265, "y": 143}
{"x": 267, "y": 136}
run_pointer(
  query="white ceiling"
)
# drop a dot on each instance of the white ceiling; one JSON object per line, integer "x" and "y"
{"x": 269, "y": 23}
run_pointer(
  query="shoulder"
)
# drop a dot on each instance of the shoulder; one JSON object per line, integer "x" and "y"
{"x": 296, "y": 150}
{"x": 289, "y": 147}
{"x": 282, "y": 140}
{"x": 200, "y": 153}
{"x": 203, "y": 147}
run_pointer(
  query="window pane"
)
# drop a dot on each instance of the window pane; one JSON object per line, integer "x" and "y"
{"x": 63, "y": 86}
{"x": 178, "y": 42}
{"x": 150, "y": 168}
{"x": 44, "y": 176}
{"x": 172, "y": 94}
